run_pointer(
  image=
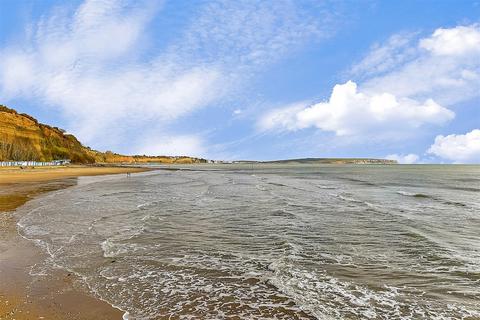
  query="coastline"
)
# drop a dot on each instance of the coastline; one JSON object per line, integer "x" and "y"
{"x": 58, "y": 294}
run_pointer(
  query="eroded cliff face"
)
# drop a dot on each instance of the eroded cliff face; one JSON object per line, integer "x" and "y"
{"x": 110, "y": 157}
{"x": 23, "y": 138}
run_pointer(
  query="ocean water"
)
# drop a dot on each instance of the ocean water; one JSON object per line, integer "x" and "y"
{"x": 271, "y": 242}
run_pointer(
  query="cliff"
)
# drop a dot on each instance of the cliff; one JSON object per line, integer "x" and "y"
{"x": 110, "y": 157}
{"x": 23, "y": 138}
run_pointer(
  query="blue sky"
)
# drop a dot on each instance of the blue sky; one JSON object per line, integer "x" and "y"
{"x": 250, "y": 79}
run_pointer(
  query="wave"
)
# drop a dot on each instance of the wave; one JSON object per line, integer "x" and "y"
{"x": 283, "y": 213}
{"x": 455, "y": 203}
{"x": 278, "y": 184}
{"x": 426, "y": 196}
{"x": 328, "y": 297}
{"x": 351, "y": 199}
{"x": 415, "y": 195}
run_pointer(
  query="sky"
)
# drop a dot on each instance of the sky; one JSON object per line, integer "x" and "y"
{"x": 257, "y": 80}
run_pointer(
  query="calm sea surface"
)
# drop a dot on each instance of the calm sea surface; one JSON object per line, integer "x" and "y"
{"x": 271, "y": 242}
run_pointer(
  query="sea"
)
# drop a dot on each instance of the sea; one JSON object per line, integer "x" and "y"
{"x": 270, "y": 241}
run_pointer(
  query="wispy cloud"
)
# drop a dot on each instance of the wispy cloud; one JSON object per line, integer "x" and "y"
{"x": 395, "y": 52}
{"x": 444, "y": 66}
{"x": 248, "y": 33}
{"x": 85, "y": 64}
{"x": 89, "y": 64}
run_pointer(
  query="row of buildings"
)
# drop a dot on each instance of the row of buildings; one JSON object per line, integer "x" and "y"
{"x": 34, "y": 163}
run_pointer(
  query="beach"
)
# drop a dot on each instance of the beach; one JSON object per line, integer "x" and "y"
{"x": 239, "y": 160}
{"x": 23, "y": 293}
{"x": 10, "y": 175}
{"x": 245, "y": 242}
{"x": 268, "y": 241}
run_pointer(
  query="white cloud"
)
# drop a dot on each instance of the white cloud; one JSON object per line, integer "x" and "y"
{"x": 349, "y": 112}
{"x": 457, "y": 41}
{"x": 460, "y": 148}
{"x": 404, "y": 159}
{"x": 404, "y": 85}
{"x": 90, "y": 64}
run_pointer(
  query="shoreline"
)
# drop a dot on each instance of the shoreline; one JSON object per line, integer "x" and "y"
{"x": 15, "y": 175}
{"x": 25, "y": 292}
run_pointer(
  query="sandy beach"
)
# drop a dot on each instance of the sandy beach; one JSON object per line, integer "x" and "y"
{"x": 16, "y": 175}
{"x": 51, "y": 296}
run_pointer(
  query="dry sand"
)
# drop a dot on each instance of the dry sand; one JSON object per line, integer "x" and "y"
{"x": 56, "y": 295}
{"x": 16, "y": 175}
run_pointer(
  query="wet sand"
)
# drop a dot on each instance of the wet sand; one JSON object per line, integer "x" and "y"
{"x": 54, "y": 295}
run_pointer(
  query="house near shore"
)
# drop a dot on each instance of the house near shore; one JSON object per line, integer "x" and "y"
{"x": 61, "y": 162}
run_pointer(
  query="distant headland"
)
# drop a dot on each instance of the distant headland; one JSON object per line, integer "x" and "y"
{"x": 325, "y": 161}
